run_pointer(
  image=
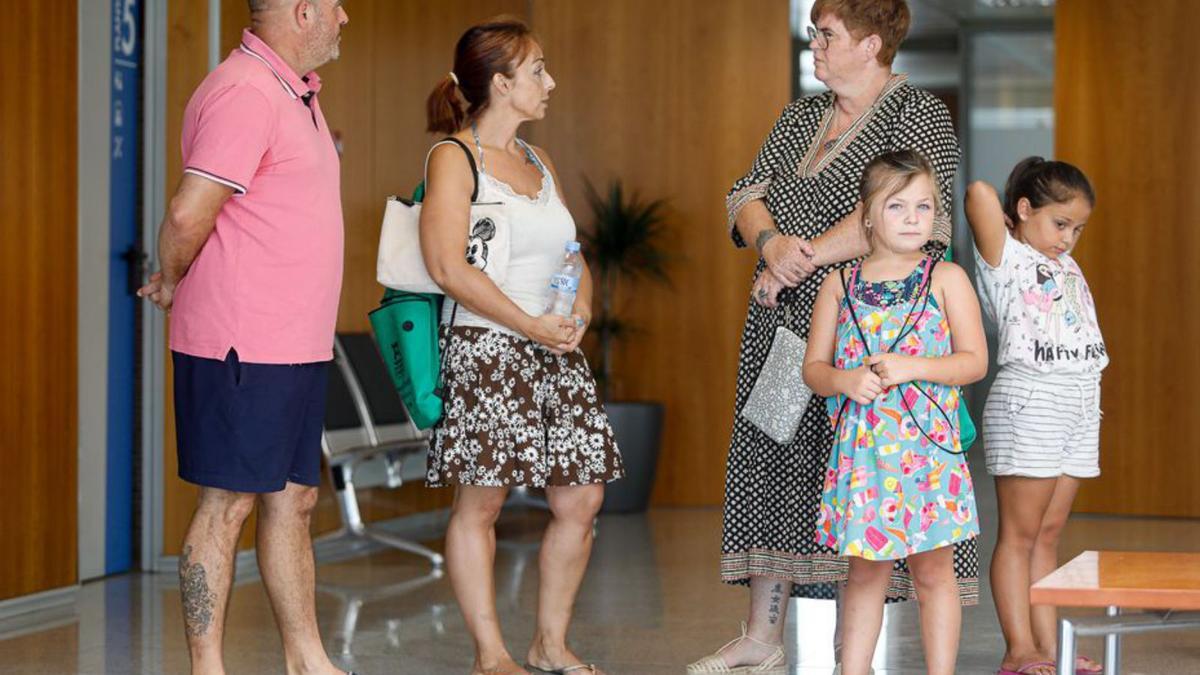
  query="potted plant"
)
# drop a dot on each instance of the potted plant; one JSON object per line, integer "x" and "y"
{"x": 625, "y": 244}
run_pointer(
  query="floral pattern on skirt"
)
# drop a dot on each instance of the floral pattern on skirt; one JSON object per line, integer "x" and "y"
{"x": 516, "y": 414}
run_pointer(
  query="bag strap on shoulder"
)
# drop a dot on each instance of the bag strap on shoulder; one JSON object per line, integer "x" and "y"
{"x": 440, "y": 389}
{"x": 470, "y": 160}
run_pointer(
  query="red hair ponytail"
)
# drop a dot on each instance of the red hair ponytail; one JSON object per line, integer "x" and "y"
{"x": 497, "y": 46}
{"x": 444, "y": 110}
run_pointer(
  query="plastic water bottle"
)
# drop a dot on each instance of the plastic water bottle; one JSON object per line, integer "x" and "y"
{"x": 564, "y": 284}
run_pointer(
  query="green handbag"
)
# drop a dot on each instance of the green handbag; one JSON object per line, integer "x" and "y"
{"x": 406, "y": 329}
{"x": 966, "y": 427}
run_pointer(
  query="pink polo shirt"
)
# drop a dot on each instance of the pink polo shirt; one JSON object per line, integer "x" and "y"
{"x": 267, "y": 281}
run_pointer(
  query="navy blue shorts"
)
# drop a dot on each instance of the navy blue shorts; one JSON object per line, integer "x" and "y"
{"x": 248, "y": 427}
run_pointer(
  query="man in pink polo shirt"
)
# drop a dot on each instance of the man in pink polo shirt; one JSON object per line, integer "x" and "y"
{"x": 251, "y": 255}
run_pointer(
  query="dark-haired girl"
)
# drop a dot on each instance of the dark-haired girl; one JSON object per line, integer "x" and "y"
{"x": 521, "y": 405}
{"x": 1041, "y": 423}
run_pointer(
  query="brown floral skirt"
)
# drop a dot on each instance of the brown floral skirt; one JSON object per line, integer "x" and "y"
{"x": 518, "y": 415}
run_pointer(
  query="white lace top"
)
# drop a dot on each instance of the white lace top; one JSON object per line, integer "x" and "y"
{"x": 541, "y": 228}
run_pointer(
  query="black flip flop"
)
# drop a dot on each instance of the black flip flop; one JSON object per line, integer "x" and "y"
{"x": 577, "y": 668}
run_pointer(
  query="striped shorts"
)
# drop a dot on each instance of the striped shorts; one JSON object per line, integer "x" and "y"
{"x": 1042, "y": 426}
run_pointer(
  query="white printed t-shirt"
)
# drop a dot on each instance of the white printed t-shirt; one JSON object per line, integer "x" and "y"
{"x": 1044, "y": 311}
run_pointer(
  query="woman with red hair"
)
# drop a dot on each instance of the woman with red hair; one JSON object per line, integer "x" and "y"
{"x": 798, "y": 206}
{"x": 521, "y": 407}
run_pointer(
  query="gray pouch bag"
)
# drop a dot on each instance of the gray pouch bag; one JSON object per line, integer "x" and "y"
{"x": 779, "y": 397}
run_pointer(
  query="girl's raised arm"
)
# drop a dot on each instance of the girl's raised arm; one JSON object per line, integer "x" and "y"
{"x": 986, "y": 216}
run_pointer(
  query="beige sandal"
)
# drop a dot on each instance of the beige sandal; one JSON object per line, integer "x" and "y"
{"x": 775, "y": 664}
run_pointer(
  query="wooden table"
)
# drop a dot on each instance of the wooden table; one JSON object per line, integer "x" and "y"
{"x": 1115, "y": 580}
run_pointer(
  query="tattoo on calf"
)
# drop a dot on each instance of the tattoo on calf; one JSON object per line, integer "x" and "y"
{"x": 777, "y": 600}
{"x": 197, "y": 597}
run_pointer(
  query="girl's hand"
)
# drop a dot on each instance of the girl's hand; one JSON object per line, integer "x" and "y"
{"x": 894, "y": 369}
{"x": 861, "y": 385}
{"x": 552, "y": 331}
{"x": 766, "y": 289}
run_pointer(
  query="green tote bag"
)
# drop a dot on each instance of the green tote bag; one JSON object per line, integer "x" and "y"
{"x": 406, "y": 329}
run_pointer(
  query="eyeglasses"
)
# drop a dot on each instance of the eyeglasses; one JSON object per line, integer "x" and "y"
{"x": 817, "y": 38}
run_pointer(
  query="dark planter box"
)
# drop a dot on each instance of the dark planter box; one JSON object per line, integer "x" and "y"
{"x": 638, "y": 429}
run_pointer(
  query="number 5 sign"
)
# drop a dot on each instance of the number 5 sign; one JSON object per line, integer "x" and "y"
{"x": 126, "y": 20}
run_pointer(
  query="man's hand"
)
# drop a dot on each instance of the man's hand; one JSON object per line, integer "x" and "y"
{"x": 160, "y": 291}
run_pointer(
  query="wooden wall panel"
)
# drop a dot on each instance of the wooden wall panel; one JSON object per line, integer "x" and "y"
{"x": 38, "y": 267}
{"x": 235, "y": 17}
{"x": 1130, "y": 123}
{"x": 674, "y": 98}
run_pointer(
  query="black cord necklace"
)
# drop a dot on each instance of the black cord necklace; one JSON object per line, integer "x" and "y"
{"x": 907, "y": 327}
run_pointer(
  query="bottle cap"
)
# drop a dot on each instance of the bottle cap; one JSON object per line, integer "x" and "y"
{"x": 573, "y": 246}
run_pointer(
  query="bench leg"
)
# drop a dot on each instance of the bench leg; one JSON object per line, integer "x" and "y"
{"x": 1066, "y": 646}
{"x": 413, "y": 547}
{"x": 343, "y": 487}
{"x": 1112, "y": 647}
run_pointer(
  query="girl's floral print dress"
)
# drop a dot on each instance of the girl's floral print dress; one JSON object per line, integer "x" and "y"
{"x": 894, "y": 486}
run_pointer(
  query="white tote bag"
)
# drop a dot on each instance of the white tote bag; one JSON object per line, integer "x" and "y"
{"x": 400, "y": 265}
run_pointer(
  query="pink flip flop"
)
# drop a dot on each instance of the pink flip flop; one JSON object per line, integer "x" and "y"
{"x": 1080, "y": 669}
{"x": 1025, "y": 669}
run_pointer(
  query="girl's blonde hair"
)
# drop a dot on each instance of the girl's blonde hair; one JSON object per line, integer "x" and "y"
{"x": 890, "y": 173}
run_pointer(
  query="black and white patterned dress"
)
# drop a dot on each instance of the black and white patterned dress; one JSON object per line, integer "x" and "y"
{"x": 773, "y": 492}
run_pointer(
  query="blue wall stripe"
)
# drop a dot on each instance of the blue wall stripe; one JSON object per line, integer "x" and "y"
{"x": 124, "y": 224}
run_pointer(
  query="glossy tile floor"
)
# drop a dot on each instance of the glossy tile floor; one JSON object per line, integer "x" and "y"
{"x": 650, "y": 604}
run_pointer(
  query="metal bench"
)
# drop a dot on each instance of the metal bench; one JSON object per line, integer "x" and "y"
{"x": 369, "y": 440}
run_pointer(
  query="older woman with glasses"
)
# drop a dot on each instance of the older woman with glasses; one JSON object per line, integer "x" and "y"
{"x": 798, "y": 207}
